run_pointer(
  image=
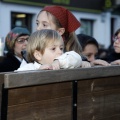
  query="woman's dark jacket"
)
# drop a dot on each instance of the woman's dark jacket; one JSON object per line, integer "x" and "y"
{"x": 112, "y": 57}
{"x": 9, "y": 63}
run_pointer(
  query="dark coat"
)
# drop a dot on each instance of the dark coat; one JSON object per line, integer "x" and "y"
{"x": 112, "y": 57}
{"x": 9, "y": 63}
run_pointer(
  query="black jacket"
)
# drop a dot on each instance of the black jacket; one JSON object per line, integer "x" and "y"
{"x": 112, "y": 57}
{"x": 9, "y": 63}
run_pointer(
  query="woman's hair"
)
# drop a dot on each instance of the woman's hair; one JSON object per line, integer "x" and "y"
{"x": 86, "y": 39}
{"x": 39, "y": 40}
{"x": 63, "y": 18}
{"x": 117, "y": 32}
{"x": 12, "y": 37}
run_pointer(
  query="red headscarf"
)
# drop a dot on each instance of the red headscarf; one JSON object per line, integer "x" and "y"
{"x": 65, "y": 17}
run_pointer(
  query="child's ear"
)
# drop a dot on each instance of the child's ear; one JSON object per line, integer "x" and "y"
{"x": 37, "y": 55}
{"x": 61, "y": 31}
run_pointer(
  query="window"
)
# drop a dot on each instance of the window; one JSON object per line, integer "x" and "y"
{"x": 86, "y": 27}
{"x": 21, "y": 20}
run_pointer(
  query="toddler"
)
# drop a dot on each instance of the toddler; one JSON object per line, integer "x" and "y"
{"x": 45, "y": 50}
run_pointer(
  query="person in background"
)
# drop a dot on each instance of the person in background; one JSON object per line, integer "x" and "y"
{"x": 114, "y": 54}
{"x": 90, "y": 49}
{"x": 64, "y": 22}
{"x": 15, "y": 42}
{"x": 45, "y": 51}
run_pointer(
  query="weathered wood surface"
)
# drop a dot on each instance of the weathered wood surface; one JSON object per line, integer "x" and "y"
{"x": 47, "y": 102}
{"x": 1, "y": 90}
{"x": 48, "y": 95}
{"x": 21, "y": 79}
{"x": 99, "y": 99}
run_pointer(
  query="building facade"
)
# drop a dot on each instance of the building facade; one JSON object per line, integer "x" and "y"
{"x": 99, "y": 18}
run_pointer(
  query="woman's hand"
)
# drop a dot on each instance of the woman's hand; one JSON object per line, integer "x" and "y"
{"x": 116, "y": 62}
{"x": 99, "y": 62}
{"x": 85, "y": 64}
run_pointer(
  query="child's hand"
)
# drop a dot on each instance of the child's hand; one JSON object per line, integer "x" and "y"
{"x": 85, "y": 64}
{"x": 46, "y": 67}
{"x": 56, "y": 65}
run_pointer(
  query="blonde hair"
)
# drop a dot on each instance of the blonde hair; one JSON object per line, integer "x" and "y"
{"x": 70, "y": 39}
{"x": 39, "y": 40}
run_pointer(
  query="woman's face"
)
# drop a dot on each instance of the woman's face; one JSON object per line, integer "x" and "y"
{"x": 20, "y": 44}
{"x": 44, "y": 21}
{"x": 116, "y": 44}
{"x": 90, "y": 51}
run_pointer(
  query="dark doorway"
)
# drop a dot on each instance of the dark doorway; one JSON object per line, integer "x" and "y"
{"x": 21, "y": 20}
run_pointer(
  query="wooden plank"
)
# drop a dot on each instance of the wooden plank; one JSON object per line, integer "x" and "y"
{"x": 116, "y": 117}
{"x": 1, "y": 90}
{"x": 99, "y": 99}
{"x": 36, "y": 93}
{"x": 53, "y": 109}
{"x": 98, "y": 84}
{"x": 19, "y": 79}
{"x": 48, "y": 102}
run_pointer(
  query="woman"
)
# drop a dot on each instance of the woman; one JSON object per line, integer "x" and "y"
{"x": 15, "y": 42}
{"x": 90, "y": 50}
{"x": 114, "y": 55}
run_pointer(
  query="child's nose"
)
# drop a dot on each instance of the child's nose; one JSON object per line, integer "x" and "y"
{"x": 60, "y": 52}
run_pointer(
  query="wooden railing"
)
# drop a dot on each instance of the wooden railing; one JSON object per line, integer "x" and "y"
{"x": 74, "y": 94}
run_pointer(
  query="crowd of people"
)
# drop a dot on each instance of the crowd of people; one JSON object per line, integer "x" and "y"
{"x": 55, "y": 45}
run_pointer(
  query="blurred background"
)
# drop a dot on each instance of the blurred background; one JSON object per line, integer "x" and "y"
{"x": 99, "y": 18}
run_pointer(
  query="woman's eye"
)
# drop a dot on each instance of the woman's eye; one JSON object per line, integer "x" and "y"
{"x": 44, "y": 25}
{"x": 37, "y": 24}
{"x": 88, "y": 56}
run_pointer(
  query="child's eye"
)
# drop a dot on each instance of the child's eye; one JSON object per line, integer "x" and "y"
{"x": 53, "y": 48}
{"x": 61, "y": 48}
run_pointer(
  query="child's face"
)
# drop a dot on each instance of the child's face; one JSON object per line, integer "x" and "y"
{"x": 117, "y": 44}
{"x": 45, "y": 22}
{"x": 52, "y": 51}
